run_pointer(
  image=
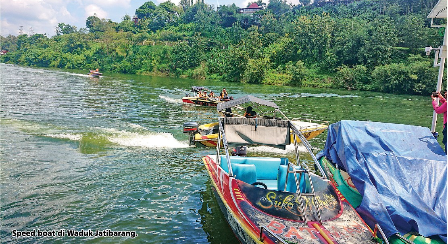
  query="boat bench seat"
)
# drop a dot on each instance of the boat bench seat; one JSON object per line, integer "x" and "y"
{"x": 266, "y": 169}
{"x": 270, "y": 171}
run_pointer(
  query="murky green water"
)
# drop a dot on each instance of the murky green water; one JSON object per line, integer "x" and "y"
{"x": 96, "y": 154}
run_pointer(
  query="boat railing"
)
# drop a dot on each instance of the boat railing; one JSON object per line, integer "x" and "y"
{"x": 265, "y": 230}
{"x": 292, "y": 169}
{"x": 308, "y": 147}
{"x": 378, "y": 228}
{"x": 222, "y": 137}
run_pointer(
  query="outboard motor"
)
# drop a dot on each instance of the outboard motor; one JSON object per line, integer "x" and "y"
{"x": 240, "y": 151}
{"x": 191, "y": 128}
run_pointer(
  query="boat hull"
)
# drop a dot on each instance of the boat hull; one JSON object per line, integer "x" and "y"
{"x": 201, "y": 101}
{"x": 249, "y": 210}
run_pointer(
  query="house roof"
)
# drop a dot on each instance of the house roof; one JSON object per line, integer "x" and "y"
{"x": 254, "y": 5}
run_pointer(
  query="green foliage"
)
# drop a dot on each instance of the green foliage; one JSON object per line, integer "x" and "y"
{"x": 255, "y": 71}
{"x": 353, "y": 78}
{"x": 356, "y": 44}
{"x": 298, "y": 72}
{"x": 413, "y": 77}
{"x": 273, "y": 77}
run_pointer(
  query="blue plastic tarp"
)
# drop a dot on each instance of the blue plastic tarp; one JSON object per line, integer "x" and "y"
{"x": 400, "y": 170}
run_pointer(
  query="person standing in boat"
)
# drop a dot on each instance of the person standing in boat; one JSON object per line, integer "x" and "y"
{"x": 440, "y": 109}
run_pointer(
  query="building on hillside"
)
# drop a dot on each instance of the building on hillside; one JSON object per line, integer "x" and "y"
{"x": 251, "y": 9}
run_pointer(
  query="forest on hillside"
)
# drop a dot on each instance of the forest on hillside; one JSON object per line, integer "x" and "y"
{"x": 375, "y": 45}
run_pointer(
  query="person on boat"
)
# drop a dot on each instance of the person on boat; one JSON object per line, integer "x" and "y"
{"x": 211, "y": 94}
{"x": 250, "y": 113}
{"x": 224, "y": 95}
{"x": 228, "y": 112}
{"x": 440, "y": 109}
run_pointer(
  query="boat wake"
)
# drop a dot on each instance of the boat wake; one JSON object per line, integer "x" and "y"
{"x": 137, "y": 136}
{"x": 171, "y": 100}
{"x": 147, "y": 140}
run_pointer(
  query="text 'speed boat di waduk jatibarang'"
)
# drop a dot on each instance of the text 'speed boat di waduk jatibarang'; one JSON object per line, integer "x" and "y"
{"x": 207, "y": 134}
{"x": 274, "y": 200}
{"x": 394, "y": 175}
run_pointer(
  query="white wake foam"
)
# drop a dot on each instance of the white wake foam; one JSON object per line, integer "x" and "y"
{"x": 156, "y": 140}
{"x": 171, "y": 100}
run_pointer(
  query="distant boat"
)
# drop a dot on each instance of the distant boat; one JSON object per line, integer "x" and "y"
{"x": 202, "y": 100}
{"x": 95, "y": 73}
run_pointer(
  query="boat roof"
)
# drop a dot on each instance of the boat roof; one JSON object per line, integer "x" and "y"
{"x": 439, "y": 10}
{"x": 245, "y": 99}
{"x": 400, "y": 170}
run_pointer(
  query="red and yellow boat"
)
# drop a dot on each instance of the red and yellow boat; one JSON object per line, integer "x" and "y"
{"x": 207, "y": 134}
{"x": 273, "y": 200}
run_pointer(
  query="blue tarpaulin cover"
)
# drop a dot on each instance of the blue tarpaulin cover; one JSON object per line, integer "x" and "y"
{"x": 400, "y": 170}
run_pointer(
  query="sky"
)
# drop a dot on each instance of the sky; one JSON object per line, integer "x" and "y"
{"x": 42, "y": 16}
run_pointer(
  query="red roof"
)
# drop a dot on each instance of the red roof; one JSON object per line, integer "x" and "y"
{"x": 253, "y": 5}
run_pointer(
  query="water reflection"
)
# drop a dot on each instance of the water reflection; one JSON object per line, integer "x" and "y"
{"x": 212, "y": 219}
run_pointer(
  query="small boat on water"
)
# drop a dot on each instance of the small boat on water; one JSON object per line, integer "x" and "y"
{"x": 277, "y": 200}
{"x": 207, "y": 134}
{"x": 203, "y": 99}
{"x": 95, "y": 73}
{"x": 393, "y": 175}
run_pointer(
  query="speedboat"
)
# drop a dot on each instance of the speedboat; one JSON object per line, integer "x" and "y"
{"x": 394, "y": 175}
{"x": 207, "y": 134}
{"x": 277, "y": 200}
{"x": 95, "y": 73}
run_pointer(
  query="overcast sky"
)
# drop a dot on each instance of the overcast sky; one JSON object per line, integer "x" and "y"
{"x": 42, "y": 16}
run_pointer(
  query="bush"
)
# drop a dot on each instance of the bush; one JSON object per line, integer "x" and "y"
{"x": 298, "y": 73}
{"x": 255, "y": 70}
{"x": 273, "y": 77}
{"x": 402, "y": 78}
{"x": 353, "y": 78}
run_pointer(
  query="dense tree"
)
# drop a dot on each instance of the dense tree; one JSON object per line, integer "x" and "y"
{"x": 65, "y": 29}
{"x": 354, "y": 44}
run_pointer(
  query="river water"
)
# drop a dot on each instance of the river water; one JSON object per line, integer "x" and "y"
{"x": 78, "y": 153}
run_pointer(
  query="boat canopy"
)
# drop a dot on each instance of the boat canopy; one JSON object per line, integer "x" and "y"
{"x": 439, "y": 10}
{"x": 400, "y": 170}
{"x": 245, "y": 99}
{"x": 258, "y": 131}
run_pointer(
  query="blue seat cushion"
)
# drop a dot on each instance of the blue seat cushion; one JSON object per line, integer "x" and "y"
{"x": 291, "y": 186}
{"x": 266, "y": 167}
{"x": 245, "y": 172}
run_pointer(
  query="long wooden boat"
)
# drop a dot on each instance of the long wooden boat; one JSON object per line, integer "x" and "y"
{"x": 202, "y": 101}
{"x": 275, "y": 200}
{"x": 384, "y": 160}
